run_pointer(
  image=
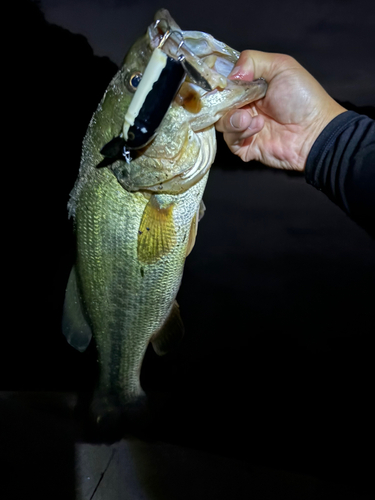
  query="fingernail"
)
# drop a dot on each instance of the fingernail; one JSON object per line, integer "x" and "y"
{"x": 254, "y": 124}
{"x": 253, "y": 111}
{"x": 235, "y": 72}
{"x": 236, "y": 120}
{"x": 243, "y": 70}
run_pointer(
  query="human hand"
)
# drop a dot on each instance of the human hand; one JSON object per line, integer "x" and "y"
{"x": 290, "y": 117}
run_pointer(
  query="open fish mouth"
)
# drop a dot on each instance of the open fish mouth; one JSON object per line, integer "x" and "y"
{"x": 182, "y": 91}
{"x": 192, "y": 59}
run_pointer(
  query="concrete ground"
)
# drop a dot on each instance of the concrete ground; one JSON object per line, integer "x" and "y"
{"x": 44, "y": 455}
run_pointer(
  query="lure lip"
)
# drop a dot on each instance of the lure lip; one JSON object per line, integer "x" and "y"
{"x": 194, "y": 75}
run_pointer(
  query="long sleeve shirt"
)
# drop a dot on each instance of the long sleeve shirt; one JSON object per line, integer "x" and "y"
{"x": 341, "y": 163}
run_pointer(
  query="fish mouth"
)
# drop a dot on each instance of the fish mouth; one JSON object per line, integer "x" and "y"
{"x": 172, "y": 63}
{"x": 177, "y": 58}
{"x": 205, "y": 93}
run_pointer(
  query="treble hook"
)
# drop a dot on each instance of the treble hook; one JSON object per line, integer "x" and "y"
{"x": 164, "y": 38}
{"x": 175, "y": 32}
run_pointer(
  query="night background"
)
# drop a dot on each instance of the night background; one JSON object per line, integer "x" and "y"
{"x": 277, "y": 298}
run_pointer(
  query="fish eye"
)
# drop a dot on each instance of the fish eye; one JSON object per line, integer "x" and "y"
{"x": 133, "y": 81}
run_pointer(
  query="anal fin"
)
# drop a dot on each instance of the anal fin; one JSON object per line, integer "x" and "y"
{"x": 170, "y": 334}
{"x": 74, "y": 323}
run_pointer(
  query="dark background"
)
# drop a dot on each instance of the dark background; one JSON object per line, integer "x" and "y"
{"x": 277, "y": 297}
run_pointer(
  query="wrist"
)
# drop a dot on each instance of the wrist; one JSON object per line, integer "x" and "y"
{"x": 315, "y": 129}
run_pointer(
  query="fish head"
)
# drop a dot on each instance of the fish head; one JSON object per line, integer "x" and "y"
{"x": 183, "y": 147}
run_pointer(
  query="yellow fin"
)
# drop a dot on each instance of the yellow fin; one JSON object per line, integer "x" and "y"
{"x": 170, "y": 334}
{"x": 156, "y": 234}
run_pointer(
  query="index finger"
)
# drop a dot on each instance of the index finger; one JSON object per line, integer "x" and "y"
{"x": 253, "y": 64}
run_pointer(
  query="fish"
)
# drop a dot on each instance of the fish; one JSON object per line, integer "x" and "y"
{"x": 136, "y": 208}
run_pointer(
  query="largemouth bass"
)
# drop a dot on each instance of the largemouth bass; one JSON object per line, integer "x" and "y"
{"x": 136, "y": 211}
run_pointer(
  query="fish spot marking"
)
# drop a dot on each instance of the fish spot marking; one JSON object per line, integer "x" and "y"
{"x": 189, "y": 98}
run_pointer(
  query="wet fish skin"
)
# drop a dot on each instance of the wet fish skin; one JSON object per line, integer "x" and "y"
{"x": 135, "y": 224}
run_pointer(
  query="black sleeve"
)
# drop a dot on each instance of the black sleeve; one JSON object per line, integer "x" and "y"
{"x": 341, "y": 163}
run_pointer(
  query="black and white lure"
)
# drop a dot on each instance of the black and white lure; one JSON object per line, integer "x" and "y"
{"x": 154, "y": 94}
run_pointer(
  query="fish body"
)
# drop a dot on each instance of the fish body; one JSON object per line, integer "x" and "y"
{"x": 135, "y": 222}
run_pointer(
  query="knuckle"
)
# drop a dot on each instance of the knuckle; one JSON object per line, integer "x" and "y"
{"x": 246, "y": 53}
{"x": 285, "y": 60}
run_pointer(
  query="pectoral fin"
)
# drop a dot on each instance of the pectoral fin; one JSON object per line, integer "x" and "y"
{"x": 202, "y": 210}
{"x": 156, "y": 234}
{"x": 192, "y": 235}
{"x": 194, "y": 227}
{"x": 170, "y": 334}
{"x": 74, "y": 323}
